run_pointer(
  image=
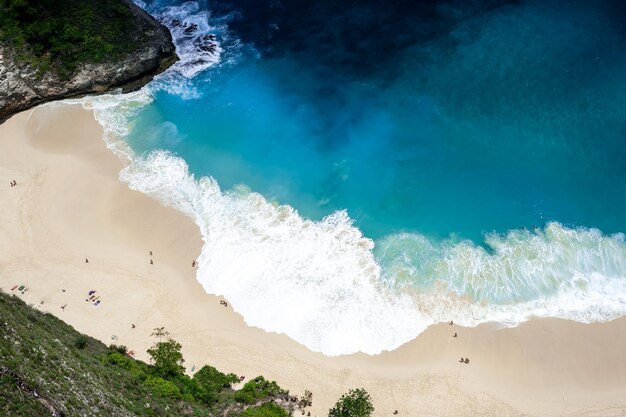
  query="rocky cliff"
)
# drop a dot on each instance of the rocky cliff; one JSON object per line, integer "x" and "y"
{"x": 23, "y": 86}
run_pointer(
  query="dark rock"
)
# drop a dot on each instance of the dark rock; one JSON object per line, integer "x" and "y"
{"x": 191, "y": 29}
{"x": 22, "y": 88}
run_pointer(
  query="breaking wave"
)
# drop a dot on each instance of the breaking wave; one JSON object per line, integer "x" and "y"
{"x": 324, "y": 283}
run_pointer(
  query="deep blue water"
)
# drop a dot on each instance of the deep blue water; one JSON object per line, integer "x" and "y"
{"x": 433, "y": 117}
{"x": 408, "y": 131}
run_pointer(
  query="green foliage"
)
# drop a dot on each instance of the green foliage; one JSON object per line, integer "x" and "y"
{"x": 119, "y": 348}
{"x": 166, "y": 356}
{"x": 80, "y": 342}
{"x": 356, "y": 403}
{"x": 265, "y": 410}
{"x": 306, "y": 400}
{"x": 97, "y": 380}
{"x": 94, "y": 381}
{"x": 213, "y": 381}
{"x": 163, "y": 388}
{"x": 256, "y": 389}
{"x": 62, "y": 34}
{"x": 25, "y": 407}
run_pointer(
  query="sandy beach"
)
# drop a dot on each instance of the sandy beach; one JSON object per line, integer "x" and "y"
{"x": 69, "y": 206}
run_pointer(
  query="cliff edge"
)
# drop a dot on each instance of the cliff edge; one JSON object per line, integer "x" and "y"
{"x": 57, "y": 51}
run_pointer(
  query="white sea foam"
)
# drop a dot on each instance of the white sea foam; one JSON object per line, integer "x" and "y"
{"x": 198, "y": 36}
{"x": 319, "y": 282}
{"x": 330, "y": 288}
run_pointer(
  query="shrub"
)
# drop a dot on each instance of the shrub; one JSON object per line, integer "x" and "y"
{"x": 163, "y": 388}
{"x": 213, "y": 381}
{"x": 119, "y": 348}
{"x": 256, "y": 389}
{"x": 80, "y": 342}
{"x": 356, "y": 403}
{"x": 266, "y": 410}
{"x": 189, "y": 388}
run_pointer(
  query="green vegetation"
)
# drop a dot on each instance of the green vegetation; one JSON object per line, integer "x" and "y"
{"x": 168, "y": 361}
{"x": 59, "y": 35}
{"x": 356, "y": 403}
{"x": 266, "y": 410}
{"x": 80, "y": 342}
{"x": 78, "y": 375}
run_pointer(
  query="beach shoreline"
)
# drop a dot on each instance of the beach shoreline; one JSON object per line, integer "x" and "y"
{"x": 69, "y": 206}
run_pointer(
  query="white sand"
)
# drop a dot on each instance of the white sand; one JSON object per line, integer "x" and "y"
{"x": 69, "y": 205}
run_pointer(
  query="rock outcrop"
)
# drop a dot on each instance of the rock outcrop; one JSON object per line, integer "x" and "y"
{"x": 21, "y": 87}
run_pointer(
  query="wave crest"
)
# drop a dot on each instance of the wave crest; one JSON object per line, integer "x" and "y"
{"x": 321, "y": 283}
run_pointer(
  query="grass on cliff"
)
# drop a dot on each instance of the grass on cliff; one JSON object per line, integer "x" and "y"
{"x": 80, "y": 376}
{"x": 59, "y": 35}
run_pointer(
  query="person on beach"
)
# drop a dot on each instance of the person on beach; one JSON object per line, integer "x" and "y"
{"x": 150, "y": 253}
{"x": 451, "y": 323}
{"x": 454, "y": 335}
{"x": 462, "y": 359}
{"x": 86, "y": 260}
{"x": 193, "y": 264}
{"x": 466, "y": 360}
{"x": 151, "y": 263}
{"x": 132, "y": 326}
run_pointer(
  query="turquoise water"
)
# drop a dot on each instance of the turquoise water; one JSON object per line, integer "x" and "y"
{"x": 512, "y": 119}
{"x": 466, "y": 153}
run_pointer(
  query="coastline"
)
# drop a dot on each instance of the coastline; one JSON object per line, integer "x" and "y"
{"x": 69, "y": 205}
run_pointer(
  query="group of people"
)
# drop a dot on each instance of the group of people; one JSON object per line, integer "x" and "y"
{"x": 13, "y": 183}
{"x": 95, "y": 299}
{"x": 224, "y": 303}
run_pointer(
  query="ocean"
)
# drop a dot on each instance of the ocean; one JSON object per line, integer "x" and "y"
{"x": 361, "y": 170}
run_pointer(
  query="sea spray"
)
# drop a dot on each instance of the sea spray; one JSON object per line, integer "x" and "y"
{"x": 334, "y": 290}
{"x": 319, "y": 282}
{"x": 324, "y": 283}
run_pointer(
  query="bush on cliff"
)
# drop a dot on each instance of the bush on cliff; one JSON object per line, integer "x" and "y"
{"x": 38, "y": 352}
{"x": 59, "y": 35}
{"x": 266, "y": 410}
{"x": 356, "y": 403}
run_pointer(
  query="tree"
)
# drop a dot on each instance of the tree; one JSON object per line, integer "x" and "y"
{"x": 306, "y": 400}
{"x": 356, "y": 403}
{"x": 166, "y": 356}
